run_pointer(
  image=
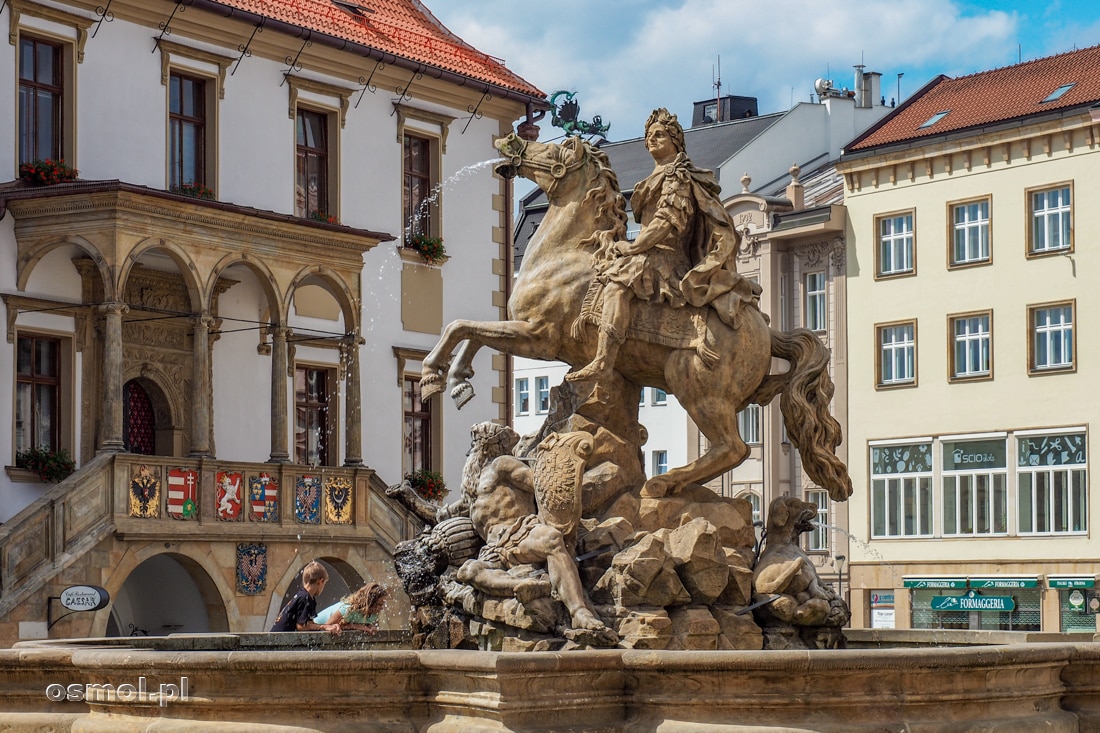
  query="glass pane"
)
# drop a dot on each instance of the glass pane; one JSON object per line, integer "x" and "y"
{"x": 45, "y": 113}
{"x": 46, "y": 57}
{"x": 950, "y": 501}
{"x": 26, "y": 59}
{"x": 1060, "y": 495}
{"x": 909, "y": 486}
{"x": 966, "y": 505}
{"x": 982, "y": 499}
{"x": 1025, "y": 488}
{"x": 1080, "y": 502}
{"x": 44, "y": 409}
{"x": 1042, "y": 502}
{"x": 925, "y": 505}
{"x": 24, "y": 358}
{"x": 878, "y": 508}
{"x": 1000, "y": 504}
{"x": 22, "y": 417}
{"x": 191, "y": 143}
{"x": 46, "y": 358}
{"x": 174, "y": 95}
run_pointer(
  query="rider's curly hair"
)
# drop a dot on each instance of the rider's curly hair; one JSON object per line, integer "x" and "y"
{"x": 672, "y": 126}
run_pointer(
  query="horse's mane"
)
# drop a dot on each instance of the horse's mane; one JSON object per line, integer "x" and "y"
{"x": 607, "y": 201}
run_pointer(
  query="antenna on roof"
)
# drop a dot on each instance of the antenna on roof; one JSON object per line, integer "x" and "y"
{"x": 717, "y": 84}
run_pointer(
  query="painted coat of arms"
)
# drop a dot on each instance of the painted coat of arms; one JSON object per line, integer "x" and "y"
{"x": 338, "y": 500}
{"x": 307, "y": 499}
{"x": 251, "y": 568}
{"x": 263, "y": 498}
{"x": 183, "y": 493}
{"x": 228, "y": 499}
{"x": 145, "y": 493}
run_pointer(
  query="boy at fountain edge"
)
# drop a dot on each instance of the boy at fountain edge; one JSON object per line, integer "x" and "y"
{"x": 298, "y": 613}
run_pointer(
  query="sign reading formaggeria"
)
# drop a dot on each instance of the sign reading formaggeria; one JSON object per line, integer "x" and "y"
{"x": 973, "y": 602}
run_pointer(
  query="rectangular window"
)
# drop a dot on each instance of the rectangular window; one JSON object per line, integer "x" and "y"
{"x": 312, "y": 172}
{"x": 901, "y": 490}
{"x": 895, "y": 250}
{"x": 1052, "y": 483}
{"x": 748, "y": 424}
{"x": 419, "y": 209}
{"x": 1051, "y": 220}
{"x": 37, "y": 393}
{"x": 815, "y": 319}
{"x": 972, "y": 352}
{"x": 542, "y": 385}
{"x": 660, "y": 462}
{"x": 970, "y": 233}
{"x": 660, "y": 397}
{"x": 523, "y": 396}
{"x": 417, "y": 429}
{"x": 312, "y": 440}
{"x": 1052, "y": 344}
{"x": 975, "y": 494}
{"x": 41, "y": 96}
{"x": 897, "y": 354}
{"x": 818, "y": 539}
{"x": 186, "y": 131}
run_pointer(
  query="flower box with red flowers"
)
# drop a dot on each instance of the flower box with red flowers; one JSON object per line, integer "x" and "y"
{"x": 194, "y": 190}
{"x": 428, "y": 484}
{"x": 323, "y": 217}
{"x": 431, "y": 249}
{"x": 46, "y": 172}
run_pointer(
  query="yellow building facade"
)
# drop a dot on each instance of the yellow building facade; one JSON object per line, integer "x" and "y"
{"x": 972, "y": 340}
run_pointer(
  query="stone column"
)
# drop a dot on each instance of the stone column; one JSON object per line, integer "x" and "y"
{"x": 279, "y": 452}
{"x": 353, "y": 433}
{"x": 200, "y": 387}
{"x": 110, "y": 432}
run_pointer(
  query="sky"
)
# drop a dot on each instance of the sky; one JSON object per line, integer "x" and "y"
{"x": 625, "y": 58}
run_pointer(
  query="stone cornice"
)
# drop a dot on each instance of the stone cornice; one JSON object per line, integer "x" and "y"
{"x": 22, "y": 7}
{"x": 169, "y": 48}
{"x": 83, "y": 200}
{"x": 964, "y": 151}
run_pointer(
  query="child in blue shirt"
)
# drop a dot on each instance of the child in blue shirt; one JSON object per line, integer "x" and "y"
{"x": 357, "y": 611}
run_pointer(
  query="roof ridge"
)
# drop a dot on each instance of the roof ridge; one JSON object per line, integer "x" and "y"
{"x": 1023, "y": 63}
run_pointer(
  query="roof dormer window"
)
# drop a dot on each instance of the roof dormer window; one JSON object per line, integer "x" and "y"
{"x": 934, "y": 119}
{"x": 352, "y": 7}
{"x": 1057, "y": 93}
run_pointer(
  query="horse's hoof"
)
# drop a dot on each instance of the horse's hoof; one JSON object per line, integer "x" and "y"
{"x": 462, "y": 393}
{"x": 655, "y": 488}
{"x": 430, "y": 386}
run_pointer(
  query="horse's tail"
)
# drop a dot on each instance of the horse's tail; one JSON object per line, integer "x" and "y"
{"x": 806, "y": 391}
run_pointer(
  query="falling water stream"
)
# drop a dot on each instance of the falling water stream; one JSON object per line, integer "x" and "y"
{"x": 444, "y": 185}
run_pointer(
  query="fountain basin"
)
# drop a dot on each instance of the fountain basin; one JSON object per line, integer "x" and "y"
{"x": 244, "y": 682}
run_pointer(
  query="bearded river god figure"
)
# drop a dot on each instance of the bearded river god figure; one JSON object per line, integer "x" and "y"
{"x": 559, "y": 540}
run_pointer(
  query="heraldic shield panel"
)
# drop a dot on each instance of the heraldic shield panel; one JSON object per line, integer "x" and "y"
{"x": 227, "y": 502}
{"x": 338, "y": 500}
{"x": 183, "y": 493}
{"x": 251, "y": 568}
{"x": 263, "y": 498}
{"x": 145, "y": 492}
{"x": 307, "y": 499}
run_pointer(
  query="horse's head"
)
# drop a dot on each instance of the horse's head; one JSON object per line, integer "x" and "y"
{"x": 549, "y": 165}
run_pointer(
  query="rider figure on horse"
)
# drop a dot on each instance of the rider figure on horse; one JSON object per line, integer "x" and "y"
{"x": 684, "y": 253}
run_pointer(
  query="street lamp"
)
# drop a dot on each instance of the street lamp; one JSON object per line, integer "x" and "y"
{"x": 840, "y": 573}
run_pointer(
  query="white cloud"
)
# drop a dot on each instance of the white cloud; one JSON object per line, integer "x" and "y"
{"x": 627, "y": 57}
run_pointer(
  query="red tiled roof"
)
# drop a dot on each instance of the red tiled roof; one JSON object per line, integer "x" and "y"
{"x": 404, "y": 28}
{"x": 987, "y": 97}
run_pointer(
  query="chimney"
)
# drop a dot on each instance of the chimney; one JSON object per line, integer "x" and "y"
{"x": 795, "y": 192}
{"x": 857, "y": 86}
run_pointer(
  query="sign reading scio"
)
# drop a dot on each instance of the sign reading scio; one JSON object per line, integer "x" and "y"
{"x": 84, "y": 598}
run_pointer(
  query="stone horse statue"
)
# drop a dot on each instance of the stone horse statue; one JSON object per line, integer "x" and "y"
{"x": 714, "y": 370}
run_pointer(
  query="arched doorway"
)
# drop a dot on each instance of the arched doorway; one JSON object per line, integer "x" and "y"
{"x": 139, "y": 420}
{"x": 166, "y": 594}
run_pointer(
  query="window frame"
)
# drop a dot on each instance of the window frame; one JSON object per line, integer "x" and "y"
{"x": 973, "y": 504}
{"x": 430, "y": 180}
{"x": 1029, "y": 222}
{"x": 818, "y": 540}
{"x": 820, "y": 322}
{"x": 900, "y": 477}
{"x": 205, "y": 157}
{"x": 58, "y": 382}
{"x": 328, "y": 409}
{"x": 878, "y": 238}
{"x": 953, "y": 229}
{"x": 751, "y": 418}
{"x": 880, "y": 382}
{"x": 427, "y": 421}
{"x": 326, "y": 154}
{"x": 542, "y": 395}
{"x": 1049, "y": 469}
{"x": 523, "y": 396}
{"x": 658, "y": 397}
{"x": 953, "y": 375}
{"x": 1033, "y": 367}
{"x": 68, "y": 53}
{"x": 660, "y": 462}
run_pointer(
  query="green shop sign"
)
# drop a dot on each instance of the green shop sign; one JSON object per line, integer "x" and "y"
{"x": 1004, "y": 582}
{"x": 973, "y": 602}
{"x": 1071, "y": 582}
{"x": 934, "y": 582}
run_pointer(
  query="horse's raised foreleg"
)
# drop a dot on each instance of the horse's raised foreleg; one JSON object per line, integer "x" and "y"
{"x": 519, "y": 338}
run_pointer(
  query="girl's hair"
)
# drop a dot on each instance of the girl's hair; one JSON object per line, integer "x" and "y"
{"x": 368, "y": 599}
